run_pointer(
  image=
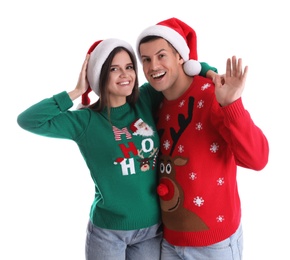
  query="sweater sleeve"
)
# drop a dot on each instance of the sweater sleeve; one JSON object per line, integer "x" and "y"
{"x": 51, "y": 117}
{"x": 205, "y": 68}
{"x": 246, "y": 140}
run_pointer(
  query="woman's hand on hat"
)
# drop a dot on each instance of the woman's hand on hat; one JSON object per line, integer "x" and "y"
{"x": 82, "y": 84}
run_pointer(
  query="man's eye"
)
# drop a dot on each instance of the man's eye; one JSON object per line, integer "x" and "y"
{"x": 145, "y": 60}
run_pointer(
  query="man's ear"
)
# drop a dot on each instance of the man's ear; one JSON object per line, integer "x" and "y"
{"x": 180, "y": 59}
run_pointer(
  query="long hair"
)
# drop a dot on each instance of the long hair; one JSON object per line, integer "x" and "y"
{"x": 104, "y": 101}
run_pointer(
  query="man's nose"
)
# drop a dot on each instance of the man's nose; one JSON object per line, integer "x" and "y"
{"x": 154, "y": 65}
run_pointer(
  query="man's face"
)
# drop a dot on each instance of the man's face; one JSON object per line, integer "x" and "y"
{"x": 161, "y": 64}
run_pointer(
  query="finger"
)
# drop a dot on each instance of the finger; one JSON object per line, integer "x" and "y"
{"x": 222, "y": 78}
{"x": 240, "y": 67}
{"x": 234, "y": 65}
{"x": 245, "y": 74}
{"x": 217, "y": 81}
{"x": 87, "y": 57}
{"x": 85, "y": 64}
{"x": 228, "y": 68}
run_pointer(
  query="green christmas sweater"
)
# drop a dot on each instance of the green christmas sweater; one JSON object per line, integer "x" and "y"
{"x": 120, "y": 154}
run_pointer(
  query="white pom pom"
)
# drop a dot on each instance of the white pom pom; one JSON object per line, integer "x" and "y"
{"x": 192, "y": 67}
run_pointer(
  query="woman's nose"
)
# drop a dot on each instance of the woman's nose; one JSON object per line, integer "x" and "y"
{"x": 123, "y": 73}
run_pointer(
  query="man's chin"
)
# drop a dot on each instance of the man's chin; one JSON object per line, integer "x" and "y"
{"x": 157, "y": 85}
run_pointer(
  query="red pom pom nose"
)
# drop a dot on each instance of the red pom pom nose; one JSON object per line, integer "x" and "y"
{"x": 162, "y": 190}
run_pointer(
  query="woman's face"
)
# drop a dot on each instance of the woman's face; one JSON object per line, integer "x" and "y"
{"x": 122, "y": 78}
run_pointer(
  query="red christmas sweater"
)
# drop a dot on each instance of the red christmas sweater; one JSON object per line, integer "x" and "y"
{"x": 201, "y": 145}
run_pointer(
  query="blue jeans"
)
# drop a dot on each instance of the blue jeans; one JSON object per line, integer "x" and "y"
{"x": 228, "y": 249}
{"x": 106, "y": 244}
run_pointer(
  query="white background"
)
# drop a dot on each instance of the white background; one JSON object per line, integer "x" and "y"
{"x": 45, "y": 187}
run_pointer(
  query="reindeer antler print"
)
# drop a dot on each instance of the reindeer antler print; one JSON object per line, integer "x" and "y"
{"x": 183, "y": 123}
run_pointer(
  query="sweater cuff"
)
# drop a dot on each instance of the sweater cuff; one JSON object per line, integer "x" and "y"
{"x": 205, "y": 68}
{"x": 234, "y": 110}
{"x": 63, "y": 101}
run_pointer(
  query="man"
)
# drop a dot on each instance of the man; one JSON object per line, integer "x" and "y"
{"x": 205, "y": 133}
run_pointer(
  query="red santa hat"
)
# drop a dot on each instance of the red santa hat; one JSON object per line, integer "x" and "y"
{"x": 99, "y": 52}
{"x": 181, "y": 36}
{"x": 119, "y": 160}
{"x": 134, "y": 126}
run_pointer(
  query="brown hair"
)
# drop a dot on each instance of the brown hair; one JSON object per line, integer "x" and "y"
{"x": 153, "y": 38}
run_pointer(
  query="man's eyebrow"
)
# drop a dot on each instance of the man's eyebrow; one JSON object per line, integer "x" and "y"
{"x": 154, "y": 53}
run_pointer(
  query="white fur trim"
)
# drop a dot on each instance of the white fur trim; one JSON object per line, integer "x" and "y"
{"x": 168, "y": 34}
{"x": 137, "y": 122}
{"x": 99, "y": 55}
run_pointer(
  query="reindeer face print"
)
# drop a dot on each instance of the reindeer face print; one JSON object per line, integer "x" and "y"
{"x": 172, "y": 198}
{"x": 169, "y": 191}
{"x": 145, "y": 161}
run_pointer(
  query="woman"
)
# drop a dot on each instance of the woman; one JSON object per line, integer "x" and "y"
{"x": 118, "y": 140}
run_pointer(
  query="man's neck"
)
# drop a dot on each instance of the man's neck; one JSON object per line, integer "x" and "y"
{"x": 178, "y": 88}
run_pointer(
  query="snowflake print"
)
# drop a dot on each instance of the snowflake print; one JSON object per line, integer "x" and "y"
{"x": 198, "y": 126}
{"x": 198, "y": 201}
{"x": 200, "y": 103}
{"x": 214, "y": 147}
{"x": 166, "y": 144}
{"x": 181, "y": 104}
{"x": 220, "y": 218}
{"x": 192, "y": 176}
{"x": 205, "y": 86}
{"x": 167, "y": 117}
{"x": 180, "y": 148}
{"x": 220, "y": 181}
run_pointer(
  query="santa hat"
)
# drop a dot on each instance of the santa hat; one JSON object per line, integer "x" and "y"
{"x": 134, "y": 125}
{"x": 99, "y": 52}
{"x": 119, "y": 160}
{"x": 181, "y": 36}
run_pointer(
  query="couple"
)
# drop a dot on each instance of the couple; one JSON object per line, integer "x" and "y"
{"x": 187, "y": 124}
